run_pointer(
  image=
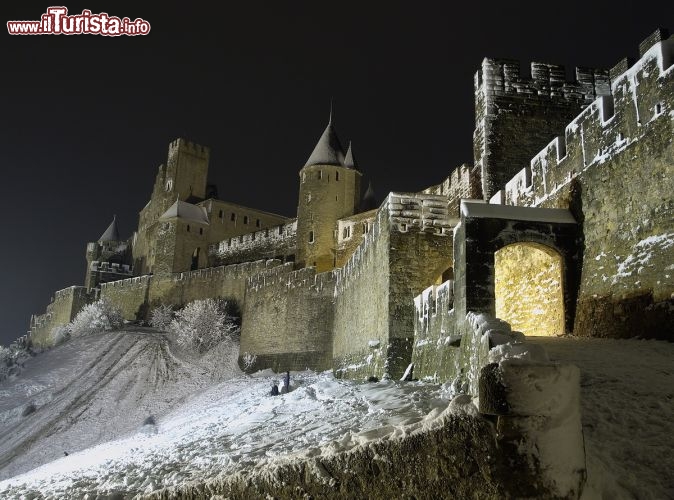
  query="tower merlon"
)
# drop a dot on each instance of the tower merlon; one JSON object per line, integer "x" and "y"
{"x": 181, "y": 144}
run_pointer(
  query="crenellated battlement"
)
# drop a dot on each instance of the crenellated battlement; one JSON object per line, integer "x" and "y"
{"x": 232, "y": 271}
{"x": 110, "y": 267}
{"x": 502, "y": 77}
{"x": 193, "y": 148}
{"x": 136, "y": 281}
{"x": 71, "y": 291}
{"x": 420, "y": 211}
{"x": 285, "y": 276}
{"x": 641, "y": 97}
{"x": 285, "y": 233}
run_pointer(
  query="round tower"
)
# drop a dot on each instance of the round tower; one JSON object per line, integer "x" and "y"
{"x": 329, "y": 190}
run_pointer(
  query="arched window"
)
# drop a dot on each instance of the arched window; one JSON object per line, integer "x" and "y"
{"x": 311, "y": 236}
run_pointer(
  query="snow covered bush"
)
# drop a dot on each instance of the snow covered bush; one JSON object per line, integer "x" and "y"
{"x": 12, "y": 359}
{"x": 248, "y": 360}
{"x": 204, "y": 323}
{"x": 161, "y": 317}
{"x": 5, "y": 362}
{"x": 59, "y": 334}
{"x": 96, "y": 317}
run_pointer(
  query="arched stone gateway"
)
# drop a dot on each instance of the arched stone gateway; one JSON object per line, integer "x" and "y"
{"x": 529, "y": 288}
{"x": 484, "y": 229}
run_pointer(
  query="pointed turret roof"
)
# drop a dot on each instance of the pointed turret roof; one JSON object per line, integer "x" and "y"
{"x": 369, "y": 201}
{"x": 186, "y": 211}
{"x": 112, "y": 232}
{"x": 328, "y": 150}
{"x": 350, "y": 160}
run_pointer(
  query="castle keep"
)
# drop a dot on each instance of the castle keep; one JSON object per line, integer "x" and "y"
{"x": 565, "y": 217}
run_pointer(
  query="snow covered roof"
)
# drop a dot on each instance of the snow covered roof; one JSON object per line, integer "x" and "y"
{"x": 328, "y": 150}
{"x": 186, "y": 211}
{"x": 350, "y": 160}
{"x": 112, "y": 232}
{"x": 480, "y": 209}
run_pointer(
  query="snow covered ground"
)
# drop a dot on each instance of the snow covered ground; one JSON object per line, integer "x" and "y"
{"x": 627, "y": 405}
{"x": 226, "y": 426}
{"x": 93, "y": 395}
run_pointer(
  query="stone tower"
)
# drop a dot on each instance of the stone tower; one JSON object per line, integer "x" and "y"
{"x": 108, "y": 258}
{"x": 329, "y": 190}
{"x": 187, "y": 170}
{"x": 516, "y": 116}
{"x": 184, "y": 178}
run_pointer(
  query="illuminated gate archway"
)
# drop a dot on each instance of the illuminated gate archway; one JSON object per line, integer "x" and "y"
{"x": 528, "y": 288}
{"x": 485, "y": 229}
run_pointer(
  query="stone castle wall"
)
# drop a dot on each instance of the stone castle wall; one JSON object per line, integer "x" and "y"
{"x": 138, "y": 296}
{"x": 612, "y": 168}
{"x": 360, "y": 344}
{"x": 351, "y": 232}
{"x": 463, "y": 183}
{"x": 288, "y": 319}
{"x": 408, "y": 246}
{"x": 63, "y": 308}
{"x": 436, "y": 345}
{"x": 274, "y": 243}
{"x": 512, "y": 109}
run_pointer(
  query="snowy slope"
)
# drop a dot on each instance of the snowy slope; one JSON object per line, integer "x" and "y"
{"x": 211, "y": 419}
{"x": 93, "y": 389}
{"x": 215, "y": 425}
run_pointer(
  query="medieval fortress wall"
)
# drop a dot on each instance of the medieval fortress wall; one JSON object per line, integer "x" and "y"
{"x": 612, "y": 170}
{"x": 64, "y": 306}
{"x": 288, "y": 319}
{"x": 413, "y": 284}
{"x": 137, "y": 296}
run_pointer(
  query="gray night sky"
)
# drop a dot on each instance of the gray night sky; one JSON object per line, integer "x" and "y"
{"x": 86, "y": 120}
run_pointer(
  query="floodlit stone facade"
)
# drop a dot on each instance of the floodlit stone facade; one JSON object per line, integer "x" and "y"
{"x": 582, "y": 169}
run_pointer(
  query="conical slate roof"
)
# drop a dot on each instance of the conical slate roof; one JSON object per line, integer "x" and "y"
{"x": 350, "y": 160}
{"x": 328, "y": 150}
{"x": 369, "y": 201}
{"x": 186, "y": 211}
{"x": 112, "y": 232}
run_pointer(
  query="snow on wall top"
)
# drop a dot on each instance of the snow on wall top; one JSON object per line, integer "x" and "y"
{"x": 604, "y": 128}
{"x": 481, "y": 210}
{"x": 426, "y": 212}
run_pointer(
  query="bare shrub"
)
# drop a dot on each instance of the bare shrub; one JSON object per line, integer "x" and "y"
{"x": 161, "y": 317}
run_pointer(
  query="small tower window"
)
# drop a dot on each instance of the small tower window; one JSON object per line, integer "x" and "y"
{"x": 320, "y": 174}
{"x": 221, "y": 214}
{"x": 336, "y": 176}
{"x": 188, "y": 228}
{"x": 311, "y": 236}
{"x": 658, "y": 109}
{"x": 257, "y": 223}
{"x": 280, "y": 230}
{"x": 169, "y": 185}
{"x": 364, "y": 227}
{"x": 245, "y": 219}
{"x": 232, "y": 217}
{"x": 201, "y": 230}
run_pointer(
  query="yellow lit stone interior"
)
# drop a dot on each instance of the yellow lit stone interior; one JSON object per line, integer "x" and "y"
{"x": 528, "y": 287}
